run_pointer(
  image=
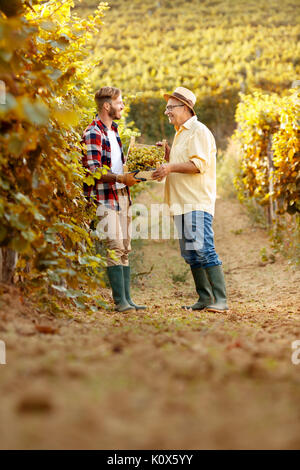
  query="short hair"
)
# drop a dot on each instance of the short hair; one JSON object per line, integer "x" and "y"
{"x": 106, "y": 94}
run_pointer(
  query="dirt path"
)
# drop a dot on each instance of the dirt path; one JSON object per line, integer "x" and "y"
{"x": 169, "y": 378}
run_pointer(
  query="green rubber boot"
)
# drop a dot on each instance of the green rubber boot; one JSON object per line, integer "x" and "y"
{"x": 126, "y": 273}
{"x": 203, "y": 289}
{"x": 116, "y": 279}
{"x": 217, "y": 281}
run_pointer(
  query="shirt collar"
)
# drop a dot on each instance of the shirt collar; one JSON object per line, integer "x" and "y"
{"x": 187, "y": 124}
{"x": 114, "y": 125}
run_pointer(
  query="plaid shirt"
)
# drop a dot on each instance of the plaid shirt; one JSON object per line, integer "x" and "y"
{"x": 98, "y": 153}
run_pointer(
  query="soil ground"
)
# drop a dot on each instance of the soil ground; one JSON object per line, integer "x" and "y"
{"x": 168, "y": 378}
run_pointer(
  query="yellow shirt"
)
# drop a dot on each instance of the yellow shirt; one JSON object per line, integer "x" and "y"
{"x": 184, "y": 192}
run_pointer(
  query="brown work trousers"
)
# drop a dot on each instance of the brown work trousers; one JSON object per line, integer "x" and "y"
{"x": 114, "y": 229}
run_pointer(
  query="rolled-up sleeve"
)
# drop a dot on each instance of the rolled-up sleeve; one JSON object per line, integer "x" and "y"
{"x": 200, "y": 149}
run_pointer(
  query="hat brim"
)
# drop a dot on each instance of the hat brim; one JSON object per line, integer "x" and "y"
{"x": 167, "y": 97}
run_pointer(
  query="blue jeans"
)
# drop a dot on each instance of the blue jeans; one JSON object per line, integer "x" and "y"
{"x": 196, "y": 239}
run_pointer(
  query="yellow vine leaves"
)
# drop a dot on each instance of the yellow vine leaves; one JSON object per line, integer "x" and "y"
{"x": 45, "y": 65}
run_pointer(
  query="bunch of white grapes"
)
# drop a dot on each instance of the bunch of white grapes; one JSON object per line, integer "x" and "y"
{"x": 145, "y": 157}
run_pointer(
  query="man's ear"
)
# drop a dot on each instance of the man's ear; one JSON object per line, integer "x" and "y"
{"x": 189, "y": 110}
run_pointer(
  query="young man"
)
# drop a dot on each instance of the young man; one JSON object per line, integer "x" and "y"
{"x": 190, "y": 192}
{"x": 104, "y": 147}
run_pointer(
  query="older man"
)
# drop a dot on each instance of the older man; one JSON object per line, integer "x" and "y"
{"x": 104, "y": 147}
{"x": 190, "y": 192}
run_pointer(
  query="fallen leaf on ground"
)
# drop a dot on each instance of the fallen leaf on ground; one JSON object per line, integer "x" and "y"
{"x": 50, "y": 330}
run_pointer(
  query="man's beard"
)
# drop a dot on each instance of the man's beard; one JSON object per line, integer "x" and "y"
{"x": 113, "y": 112}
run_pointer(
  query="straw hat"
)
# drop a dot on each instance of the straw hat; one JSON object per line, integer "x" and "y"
{"x": 184, "y": 95}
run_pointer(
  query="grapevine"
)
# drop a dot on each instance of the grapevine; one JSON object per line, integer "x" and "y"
{"x": 151, "y": 47}
{"x": 48, "y": 101}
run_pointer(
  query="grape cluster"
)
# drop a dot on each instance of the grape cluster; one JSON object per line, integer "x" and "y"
{"x": 144, "y": 157}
